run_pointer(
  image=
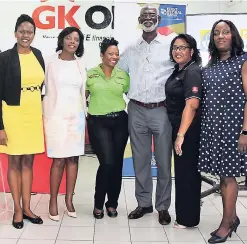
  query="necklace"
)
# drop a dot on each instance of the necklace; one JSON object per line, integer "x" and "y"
{"x": 59, "y": 57}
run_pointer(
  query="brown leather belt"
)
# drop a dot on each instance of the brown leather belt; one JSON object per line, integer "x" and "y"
{"x": 149, "y": 105}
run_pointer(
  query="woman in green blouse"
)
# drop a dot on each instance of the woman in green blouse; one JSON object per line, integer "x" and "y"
{"x": 107, "y": 126}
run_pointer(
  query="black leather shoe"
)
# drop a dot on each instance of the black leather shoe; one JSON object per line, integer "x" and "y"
{"x": 139, "y": 212}
{"x": 17, "y": 225}
{"x": 37, "y": 220}
{"x": 112, "y": 213}
{"x": 164, "y": 217}
{"x": 98, "y": 215}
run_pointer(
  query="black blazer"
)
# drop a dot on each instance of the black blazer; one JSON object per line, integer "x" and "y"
{"x": 10, "y": 77}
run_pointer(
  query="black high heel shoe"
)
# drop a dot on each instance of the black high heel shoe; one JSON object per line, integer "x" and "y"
{"x": 236, "y": 223}
{"x": 37, "y": 220}
{"x": 17, "y": 225}
{"x": 218, "y": 239}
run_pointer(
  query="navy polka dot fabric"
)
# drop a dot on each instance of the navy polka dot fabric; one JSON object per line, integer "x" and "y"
{"x": 223, "y": 102}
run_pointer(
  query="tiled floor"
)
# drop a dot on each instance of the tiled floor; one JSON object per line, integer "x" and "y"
{"x": 86, "y": 230}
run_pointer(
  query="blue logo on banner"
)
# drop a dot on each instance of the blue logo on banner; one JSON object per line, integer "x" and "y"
{"x": 172, "y": 14}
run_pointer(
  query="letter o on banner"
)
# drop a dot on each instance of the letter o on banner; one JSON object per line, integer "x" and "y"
{"x": 89, "y": 17}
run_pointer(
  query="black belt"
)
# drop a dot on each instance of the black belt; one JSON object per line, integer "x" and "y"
{"x": 110, "y": 115}
{"x": 31, "y": 88}
{"x": 150, "y": 105}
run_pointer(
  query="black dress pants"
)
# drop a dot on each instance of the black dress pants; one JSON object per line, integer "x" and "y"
{"x": 108, "y": 136}
{"x": 187, "y": 177}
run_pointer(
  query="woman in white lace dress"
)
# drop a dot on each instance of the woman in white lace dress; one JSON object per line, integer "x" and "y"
{"x": 64, "y": 115}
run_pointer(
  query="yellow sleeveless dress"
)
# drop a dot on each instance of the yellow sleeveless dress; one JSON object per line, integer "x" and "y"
{"x": 23, "y": 124}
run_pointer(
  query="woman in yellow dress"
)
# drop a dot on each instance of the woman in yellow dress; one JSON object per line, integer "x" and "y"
{"x": 21, "y": 128}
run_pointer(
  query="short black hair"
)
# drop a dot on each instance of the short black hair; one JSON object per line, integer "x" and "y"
{"x": 237, "y": 42}
{"x": 107, "y": 42}
{"x": 24, "y": 18}
{"x": 68, "y": 30}
{"x": 192, "y": 44}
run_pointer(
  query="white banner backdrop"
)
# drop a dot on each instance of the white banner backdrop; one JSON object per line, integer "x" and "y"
{"x": 199, "y": 26}
{"x": 95, "y": 19}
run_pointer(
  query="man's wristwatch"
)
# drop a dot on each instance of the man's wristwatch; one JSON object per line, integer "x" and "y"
{"x": 243, "y": 132}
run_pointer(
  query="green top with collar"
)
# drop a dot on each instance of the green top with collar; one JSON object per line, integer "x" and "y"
{"x": 106, "y": 95}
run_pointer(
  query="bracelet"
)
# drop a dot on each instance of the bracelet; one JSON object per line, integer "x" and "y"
{"x": 243, "y": 132}
{"x": 180, "y": 134}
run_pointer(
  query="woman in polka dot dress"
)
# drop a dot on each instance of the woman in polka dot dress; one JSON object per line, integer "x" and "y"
{"x": 224, "y": 120}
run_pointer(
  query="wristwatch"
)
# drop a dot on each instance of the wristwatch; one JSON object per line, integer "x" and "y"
{"x": 243, "y": 132}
